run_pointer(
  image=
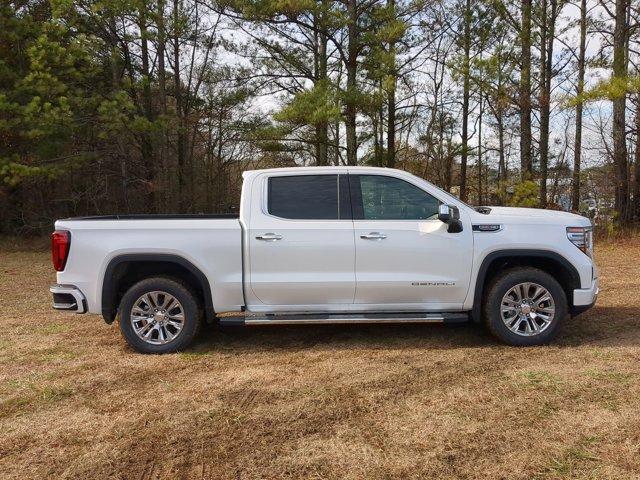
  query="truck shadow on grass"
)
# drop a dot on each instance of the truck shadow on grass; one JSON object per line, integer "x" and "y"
{"x": 602, "y": 326}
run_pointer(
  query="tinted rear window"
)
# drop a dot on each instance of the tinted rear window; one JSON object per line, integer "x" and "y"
{"x": 304, "y": 197}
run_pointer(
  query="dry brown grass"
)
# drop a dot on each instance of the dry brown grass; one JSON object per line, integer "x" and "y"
{"x": 319, "y": 402}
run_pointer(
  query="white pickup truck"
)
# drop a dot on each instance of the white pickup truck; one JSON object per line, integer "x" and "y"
{"x": 328, "y": 245}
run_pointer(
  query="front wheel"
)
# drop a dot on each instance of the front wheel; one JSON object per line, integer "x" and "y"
{"x": 159, "y": 315}
{"x": 524, "y": 307}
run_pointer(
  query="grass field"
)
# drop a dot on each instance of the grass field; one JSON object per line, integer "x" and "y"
{"x": 343, "y": 402}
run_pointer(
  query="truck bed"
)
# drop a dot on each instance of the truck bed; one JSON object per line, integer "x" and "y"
{"x": 211, "y": 243}
{"x": 158, "y": 216}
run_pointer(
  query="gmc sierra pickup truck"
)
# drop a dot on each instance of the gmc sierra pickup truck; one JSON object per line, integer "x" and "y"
{"x": 328, "y": 245}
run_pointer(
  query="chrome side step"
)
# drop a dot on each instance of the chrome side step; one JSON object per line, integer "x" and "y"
{"x": 345, "y": 318}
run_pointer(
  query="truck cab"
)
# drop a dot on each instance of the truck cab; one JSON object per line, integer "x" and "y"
{"x": 329, "y": 245}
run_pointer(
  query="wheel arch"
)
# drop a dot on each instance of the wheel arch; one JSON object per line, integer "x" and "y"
{"x": 546, "y": 260}
{"x": 127, "y": 269}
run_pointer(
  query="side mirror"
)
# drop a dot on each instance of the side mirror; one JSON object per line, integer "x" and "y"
{"x": 445, "y": 213}
{"x": 451, "y": 216}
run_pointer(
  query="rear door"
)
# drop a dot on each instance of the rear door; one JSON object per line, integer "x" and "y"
{"x": 301, "y": 242}
{"x": 405, "y": 257}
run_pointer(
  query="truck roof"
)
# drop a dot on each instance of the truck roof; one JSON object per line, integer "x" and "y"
{"x": 341, "y": 168}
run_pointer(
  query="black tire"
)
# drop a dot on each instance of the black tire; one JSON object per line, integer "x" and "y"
{"x": 501, "y": 285}
{"x": 183, "y": 293}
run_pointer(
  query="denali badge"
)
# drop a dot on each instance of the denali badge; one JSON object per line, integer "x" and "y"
{"x": 486, "y": 228}
{"x": 433, "y": 284}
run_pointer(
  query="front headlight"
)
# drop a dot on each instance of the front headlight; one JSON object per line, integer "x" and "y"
{"x": 581, "y": 237}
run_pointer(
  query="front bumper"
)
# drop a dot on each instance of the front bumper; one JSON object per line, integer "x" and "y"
{"x": 585, "y": 298}
{"x": 69, "y": 298}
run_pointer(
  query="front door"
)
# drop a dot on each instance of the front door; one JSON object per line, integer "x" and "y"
{"x": 301, "y": 243}
{"x": 405, "y": 258}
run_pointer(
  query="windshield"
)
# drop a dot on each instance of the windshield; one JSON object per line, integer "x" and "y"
{"x": 445, "y": 193}
{"x": 453, "y": 196}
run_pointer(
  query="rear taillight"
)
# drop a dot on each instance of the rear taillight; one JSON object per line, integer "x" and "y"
{"x": 60, "y": 243}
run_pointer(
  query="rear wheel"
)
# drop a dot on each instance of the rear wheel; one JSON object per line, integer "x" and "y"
{"x": 159, "y": 315}
{"x": 525, "y": 306}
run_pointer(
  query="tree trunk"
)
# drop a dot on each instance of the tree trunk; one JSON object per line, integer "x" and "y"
{"x": 636, "y": 169}
{"x": 381, "y": 157}
{"x": 337, "y": 160}
{"x": 181, "y": 134}
{"x": 465, "y": 101}
{"x": 577, "y": 150}
{"x": 526, "y": 163}
{"x": 116, "y": 71}
{"x": 322, "y": 128}
{"x": 502, "y": 164}
{"x": 620, "y": 159}
{"x": 547, "y": 35}
{"x": 391, "y": 127}
{"x": 480, "y": 195}
{"x": 350, "y": 101}
{"x": 221, "y": 190}
{"x": 391, "y": 99}
{"x": 377, "y": 148}
{"x": 499, "y": 114}
{"x": 147, "y": 145}
{"x": 167, "y": 199}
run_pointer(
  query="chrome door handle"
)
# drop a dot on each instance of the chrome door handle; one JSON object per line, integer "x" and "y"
{"x": 269, "y": 237}
{"x": 373, "y": 236}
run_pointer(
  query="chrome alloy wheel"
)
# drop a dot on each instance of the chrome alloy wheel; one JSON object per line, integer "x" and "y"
{"x": 527, "y": 309}
{"x": 157, "y": 317}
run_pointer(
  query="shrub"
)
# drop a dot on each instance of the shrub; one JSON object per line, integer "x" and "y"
{"x": 525, "y": 194}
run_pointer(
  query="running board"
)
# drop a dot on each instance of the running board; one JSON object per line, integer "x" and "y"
{"x": 344, "y": 318}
